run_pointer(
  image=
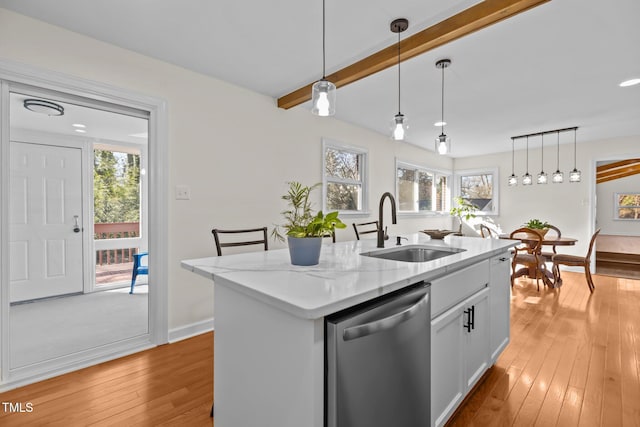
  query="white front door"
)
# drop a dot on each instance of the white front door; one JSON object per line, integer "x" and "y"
{"x": 45, "y": 221}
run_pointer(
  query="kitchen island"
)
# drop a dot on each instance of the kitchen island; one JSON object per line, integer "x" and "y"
{"x": 269, "y": 321}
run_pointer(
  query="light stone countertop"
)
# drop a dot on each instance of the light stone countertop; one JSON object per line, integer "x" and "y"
{"x": 343, "y": 278}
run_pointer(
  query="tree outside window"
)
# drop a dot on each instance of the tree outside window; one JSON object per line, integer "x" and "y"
{"x": 628, "y": 206}
{"x": 344, "y": 178}
{"x": 420, "y": 190}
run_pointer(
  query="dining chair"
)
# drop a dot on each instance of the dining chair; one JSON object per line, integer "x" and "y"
{"x": 576, "y": 261}
{"x": 487, "y": 232}
{"x": 235, "y": 242}
{"x": 138, "y": 268}
{"x": 332, "y": 235}
{"x": 365, "y": 228}
{"x": 546, "y": 256}
{"x": 527, "y": 254}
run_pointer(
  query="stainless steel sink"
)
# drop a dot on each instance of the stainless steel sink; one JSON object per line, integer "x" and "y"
{"x": 414, "y": 253}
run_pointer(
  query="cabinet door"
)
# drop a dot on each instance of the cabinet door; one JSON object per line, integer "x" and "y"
{"x": 447, "y": 364}
{"x": 476, "y": 310}
{"x": 500, "y": 303}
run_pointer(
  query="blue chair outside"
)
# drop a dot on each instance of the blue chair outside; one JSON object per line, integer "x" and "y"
{"x": 138, "y": 268}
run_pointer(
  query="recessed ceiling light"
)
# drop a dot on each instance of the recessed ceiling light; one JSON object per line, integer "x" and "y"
{"x": 80, "y": 130}
{"x": 438, "y": 124}
{"x": 78, "y": 125}
{"x": 631, "y": 82}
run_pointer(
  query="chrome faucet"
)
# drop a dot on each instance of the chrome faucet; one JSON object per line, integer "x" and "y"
{"x": 381, "y": 230}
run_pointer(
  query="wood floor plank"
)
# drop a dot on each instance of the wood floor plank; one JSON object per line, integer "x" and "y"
{"x": 573, "y": 359}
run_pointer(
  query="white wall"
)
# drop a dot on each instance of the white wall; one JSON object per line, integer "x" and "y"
{"x": 570, "y": 206}
{"x": 606, "y": 206}
{"x": 233, "y": 147}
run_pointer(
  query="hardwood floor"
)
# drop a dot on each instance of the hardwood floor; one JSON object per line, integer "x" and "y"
{"x": 574, "y": 360}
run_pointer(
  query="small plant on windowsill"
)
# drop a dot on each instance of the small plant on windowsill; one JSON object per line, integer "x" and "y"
{"x": 463, "y": 209}
{"x": 303, "y": 228}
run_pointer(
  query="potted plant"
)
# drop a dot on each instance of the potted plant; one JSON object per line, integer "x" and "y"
{"x": 304, "y": 228}
{"x": 463, "y": 209}
{"x": 536, "y": 224}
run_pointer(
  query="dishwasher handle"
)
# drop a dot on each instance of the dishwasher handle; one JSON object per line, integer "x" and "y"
{"x": 389, "y": 322}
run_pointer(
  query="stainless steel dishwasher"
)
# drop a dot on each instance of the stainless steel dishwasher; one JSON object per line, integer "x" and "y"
{"x": 377, "y": 362}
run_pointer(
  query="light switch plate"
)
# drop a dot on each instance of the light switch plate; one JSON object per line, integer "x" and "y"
{"x": 183, "y": 192}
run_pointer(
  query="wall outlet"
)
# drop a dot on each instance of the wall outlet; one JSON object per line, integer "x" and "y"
{"x": 183, "y": 192}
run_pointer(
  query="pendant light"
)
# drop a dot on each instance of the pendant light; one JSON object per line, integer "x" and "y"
{"x": 513, "y": 179}
{"x": 542, "y": 176}
{"x": 527, "y": 179}
{"x": 323, "y": 93}
{"x": 443, "y": 142}
{"x": 399, "y": 124}
{"x": 558, "y": 177}
{"x": 575, "y": 174}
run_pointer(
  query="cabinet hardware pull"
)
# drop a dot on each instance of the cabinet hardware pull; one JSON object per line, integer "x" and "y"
{"x": 473, "y": 316}
{"x": 503, "y": 259}
{"x": 468, "y": 325}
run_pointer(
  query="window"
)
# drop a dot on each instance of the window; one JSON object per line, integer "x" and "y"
{"x": 627, "y": 206}
{"x": 420, "y": 190}
{"x": 477, "y": 186}
{"x": 344, "y": 179}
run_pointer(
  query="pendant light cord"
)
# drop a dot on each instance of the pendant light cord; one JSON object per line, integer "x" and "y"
{"x": 527, "y": 155}
{"x": 323, "y": 42}
{"x": 399, "y": 111}
{"x": 542, "y": 153}
{"x": 558, "y": 153}
{"x": 574, "y": 149}
{"x": 442, "y": 104}
{"x": 512, "y": 156}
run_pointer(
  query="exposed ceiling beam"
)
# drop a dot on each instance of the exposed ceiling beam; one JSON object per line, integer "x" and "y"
{"x": 466, "y": 22}
{"x": 617, "y": 170}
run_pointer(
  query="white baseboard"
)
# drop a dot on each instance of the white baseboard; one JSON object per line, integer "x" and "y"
{"x": 188, "y": 331}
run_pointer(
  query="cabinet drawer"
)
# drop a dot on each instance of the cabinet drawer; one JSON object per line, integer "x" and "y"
{"x": 449, "y": 290}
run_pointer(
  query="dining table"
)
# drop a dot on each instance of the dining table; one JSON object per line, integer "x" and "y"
{"x": 547, "y": 275}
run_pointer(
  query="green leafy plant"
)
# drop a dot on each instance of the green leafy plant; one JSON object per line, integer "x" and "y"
{"x": 300, "y": 219}
{"x": 536, "y": 224}
{"x": 463, "y": 209}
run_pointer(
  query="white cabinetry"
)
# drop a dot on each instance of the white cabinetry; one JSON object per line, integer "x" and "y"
{"x": 459, "y": 353}
{"x": 499, "y": 303}
{"x": 460, "y": 337}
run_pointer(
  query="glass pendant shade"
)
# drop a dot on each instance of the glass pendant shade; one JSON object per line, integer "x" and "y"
{"x": 527, "y": 179}
{"x": 542, "y": 178}
{"x": 323, "y": 98}
{"x": 513, "y": 180}
{"x": 574, "y": 175}
{"x": 399, "y": 127}
{"x": 443, "y": 144}
{"x": 558, "y": 177}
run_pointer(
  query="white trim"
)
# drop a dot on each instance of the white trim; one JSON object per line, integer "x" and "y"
{"x": 364, "y": 153}
{"x": 157, "y": 174}
{"x": 448, "y": 174}
{"x": 192, "y": 330}
{"x": 495, "y": 172}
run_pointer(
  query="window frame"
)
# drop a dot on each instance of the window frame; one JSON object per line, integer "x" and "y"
{"x": 617, "y": 207}
{"x": 363, "y": 154}
{"x": 494, "y": 172}
{"x": 436, "y": 173}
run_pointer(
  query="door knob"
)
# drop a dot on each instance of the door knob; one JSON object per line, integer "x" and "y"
{"x": 76, "y": 227}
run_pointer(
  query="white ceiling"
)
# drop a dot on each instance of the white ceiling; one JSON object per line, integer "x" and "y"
{"x": 555, "y": 66}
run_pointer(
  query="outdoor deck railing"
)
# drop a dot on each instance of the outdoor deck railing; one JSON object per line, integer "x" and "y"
{"x": 117, "y": 230}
